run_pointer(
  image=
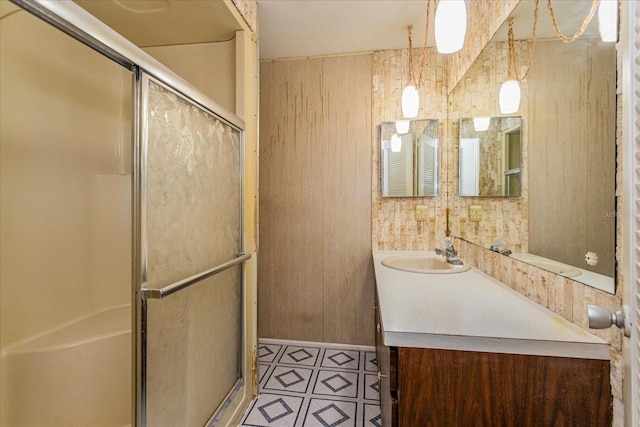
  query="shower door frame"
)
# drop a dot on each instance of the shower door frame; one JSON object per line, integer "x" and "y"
{"x": 71, "y": 19}
{"x": 144, "y": 293}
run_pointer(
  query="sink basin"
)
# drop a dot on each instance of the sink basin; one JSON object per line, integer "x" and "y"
{"x": 547, "y": 264}
{"x": 425, "y": 264}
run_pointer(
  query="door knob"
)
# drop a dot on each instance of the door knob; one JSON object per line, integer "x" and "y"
{"x": 601, "y": 318}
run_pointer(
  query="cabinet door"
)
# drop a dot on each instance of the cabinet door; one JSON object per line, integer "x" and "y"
{"x": 446, "y": 388}
{"x": 386, "y": 374}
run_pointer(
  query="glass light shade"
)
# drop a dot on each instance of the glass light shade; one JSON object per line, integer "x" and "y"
{"x": 450, "y": 25}
{"x": 396, "y": 143}
{"x": 402, "y": 126}
{"x": 481, "y": 124}
{"x": 608, "y": 20}
{"x": 410, "y": 102}
{"x": 509, "y": 97}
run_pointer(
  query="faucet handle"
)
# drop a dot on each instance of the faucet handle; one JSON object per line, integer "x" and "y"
{"x": 446, "y": 243}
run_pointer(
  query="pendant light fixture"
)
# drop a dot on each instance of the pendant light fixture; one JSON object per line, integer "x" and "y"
{"x": 510, "y": 90}
{"x": 481, "y": 124}
{"x": 608, "y": 20}
{"x": 410, "y": 95}
{"x": 509, "y": 98}
{"x": 402, "y": 126}
{"x": 450, "y": 25}
{"x": 410, "y": 100}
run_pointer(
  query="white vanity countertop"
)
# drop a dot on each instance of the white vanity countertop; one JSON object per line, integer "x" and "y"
{"x": 472, "y": 311}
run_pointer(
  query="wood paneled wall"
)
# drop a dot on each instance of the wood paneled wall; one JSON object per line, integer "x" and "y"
{"x": 315, "y": 270}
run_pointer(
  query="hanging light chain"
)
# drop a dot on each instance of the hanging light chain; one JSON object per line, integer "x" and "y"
{"x": 423, "y": 59}
{"x": 586, "y": 21}
{"x": 411, "y": 75}
{"x": 512, "y": 69}
{"x": 511, "y": 61}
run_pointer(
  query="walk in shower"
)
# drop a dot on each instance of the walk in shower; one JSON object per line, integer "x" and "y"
{"x": 121, "y": 252}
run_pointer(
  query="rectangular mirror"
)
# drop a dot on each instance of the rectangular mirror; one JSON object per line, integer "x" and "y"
{"x": 409, "y": 160}
{"x": 564, "y": 220}
{"x": 490, "y": 156}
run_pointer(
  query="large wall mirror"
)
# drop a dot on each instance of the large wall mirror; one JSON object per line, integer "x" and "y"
{"x": 490, "y": 154}
{"x": 409, "y": 158}
{"x": 564, "y": 218}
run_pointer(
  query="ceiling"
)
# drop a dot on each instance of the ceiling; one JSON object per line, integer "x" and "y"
{"x": 300, "y": 28}
{"x": 149, "y": 23}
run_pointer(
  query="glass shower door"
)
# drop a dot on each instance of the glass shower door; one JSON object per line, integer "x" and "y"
{"x": 65, "y": 229}
{"x": 191, "y": 307}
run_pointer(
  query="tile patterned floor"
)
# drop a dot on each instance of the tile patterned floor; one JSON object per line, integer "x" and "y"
{"x": 309, "y": 385}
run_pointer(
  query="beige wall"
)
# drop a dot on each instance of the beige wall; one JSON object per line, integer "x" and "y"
{"x": 211, "y": 67}
{"x": 315, "y": 268}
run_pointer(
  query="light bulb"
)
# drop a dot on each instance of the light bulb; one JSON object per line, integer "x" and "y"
{"x": 396, "y": 143}
{"x": 509, "y": 96}
{"x": 451, "y": 25}
{"x": 481, "y": 124}
{"x": 402, "y": 126}
{"x": 410, "y": 101}
{"x": 608, "y": 20}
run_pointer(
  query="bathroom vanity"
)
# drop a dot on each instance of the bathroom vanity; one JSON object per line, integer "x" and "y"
{"x": 465, "y": 349}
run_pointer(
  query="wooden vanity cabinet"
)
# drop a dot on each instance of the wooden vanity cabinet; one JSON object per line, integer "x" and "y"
{"x": 387, "y": 358}
{"x": 422, "y": 387}
{"x": 509, "y": 362}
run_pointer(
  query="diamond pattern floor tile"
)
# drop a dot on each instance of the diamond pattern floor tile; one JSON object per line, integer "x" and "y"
{"x": 341, "y": 359}
{"x": 289, "y": 379}
{"x": 330, "y": 413}
{"x": 273, "y": 410}
{"x": 306, "y": 356}
{"x": 309, "y": 385}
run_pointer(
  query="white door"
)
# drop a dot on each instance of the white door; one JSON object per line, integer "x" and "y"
{"x": 630, "y": 37}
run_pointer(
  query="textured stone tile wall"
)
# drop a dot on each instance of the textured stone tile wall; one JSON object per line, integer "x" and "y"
{"x": 393, "y": 219}
{"x": 476, "y": 94}
{"x": 484, "y": 17}
{"x": 249, "y": 11}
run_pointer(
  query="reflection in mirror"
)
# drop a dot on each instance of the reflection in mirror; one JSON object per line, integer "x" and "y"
{"x": 565, "y": 218}
{"x": 490, "y": 156}
{"x": 410, "y": 161}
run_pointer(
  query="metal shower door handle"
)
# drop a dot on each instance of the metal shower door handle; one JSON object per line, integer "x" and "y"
{"x": 601, "y": 318}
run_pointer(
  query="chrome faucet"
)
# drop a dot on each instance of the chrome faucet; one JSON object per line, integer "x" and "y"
{"x": 449, "y": 252}
{"x": 496, "y": 246}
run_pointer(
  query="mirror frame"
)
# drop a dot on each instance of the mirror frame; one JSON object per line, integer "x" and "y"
{"x": 389, "y": 128}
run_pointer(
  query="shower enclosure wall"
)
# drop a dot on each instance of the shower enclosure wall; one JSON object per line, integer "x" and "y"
{"x": 126, "y": 295}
